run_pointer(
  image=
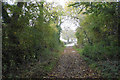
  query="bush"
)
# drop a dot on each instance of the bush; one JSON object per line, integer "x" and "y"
{"x": 100, "y": 52}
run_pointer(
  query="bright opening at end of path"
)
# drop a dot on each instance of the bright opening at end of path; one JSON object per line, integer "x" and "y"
{"x": 68, "y": 26}
{"x": 68, "y": 31}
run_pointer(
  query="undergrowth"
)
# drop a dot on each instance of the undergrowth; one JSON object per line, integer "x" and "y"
{"x": 106, "y": 67}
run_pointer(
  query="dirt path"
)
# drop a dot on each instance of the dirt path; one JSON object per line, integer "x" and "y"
{"x": 71, "y": 65}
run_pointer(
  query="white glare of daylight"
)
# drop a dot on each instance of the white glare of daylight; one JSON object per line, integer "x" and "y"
{"x": 61, "y": 2}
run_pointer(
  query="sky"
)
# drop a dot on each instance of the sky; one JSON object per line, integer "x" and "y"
{"x": 68, "y": 24}
{"x": 61, "y": 2}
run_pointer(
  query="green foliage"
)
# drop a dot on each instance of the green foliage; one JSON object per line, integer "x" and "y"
{"x": 98, "y": 52}
{"x": 29, "y": 36}
{"x": 98, "y": 35}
